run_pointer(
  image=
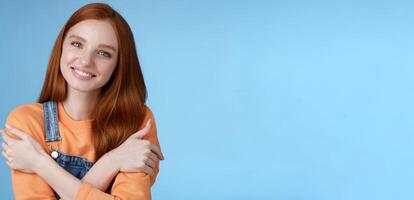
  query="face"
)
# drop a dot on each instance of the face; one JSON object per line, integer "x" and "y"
{"x": 89, "y": 55}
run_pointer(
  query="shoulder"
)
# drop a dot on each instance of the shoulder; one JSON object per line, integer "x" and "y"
{"x": 27, "y": 117}
{"x": 27, "y": 111}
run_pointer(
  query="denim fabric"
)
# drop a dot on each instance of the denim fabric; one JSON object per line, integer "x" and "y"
{"x": 51, "y": 121}
{"x": 77, "y": 166}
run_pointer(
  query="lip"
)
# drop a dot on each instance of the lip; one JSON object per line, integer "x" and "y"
{"x": 72, "y": 69}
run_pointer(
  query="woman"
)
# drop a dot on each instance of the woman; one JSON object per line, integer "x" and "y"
{"x": 90, "y": 136}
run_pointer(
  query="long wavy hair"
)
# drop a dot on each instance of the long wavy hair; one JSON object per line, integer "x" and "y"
{"x": 121, "y": 106}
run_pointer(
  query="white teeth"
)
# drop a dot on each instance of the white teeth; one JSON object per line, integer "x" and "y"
{"x": 83, "y": 73}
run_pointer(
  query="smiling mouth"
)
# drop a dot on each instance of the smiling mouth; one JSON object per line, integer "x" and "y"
{"x": 82, "y": 74}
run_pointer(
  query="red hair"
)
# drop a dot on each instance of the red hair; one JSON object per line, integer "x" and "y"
{"x": 121, "y": 106}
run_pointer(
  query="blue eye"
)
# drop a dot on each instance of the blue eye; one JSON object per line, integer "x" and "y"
{"x": 104, "y": 53}
{"x": 76, "y": 44}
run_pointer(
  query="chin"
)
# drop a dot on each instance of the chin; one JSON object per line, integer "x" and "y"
{"x": 80, "y": 88}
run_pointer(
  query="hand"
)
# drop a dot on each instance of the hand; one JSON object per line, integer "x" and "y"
{"x": 136, "y": 154}
{"x": 21, "y": 154}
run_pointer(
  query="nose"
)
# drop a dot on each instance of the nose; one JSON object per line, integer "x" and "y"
{"x": 85, "y": 59}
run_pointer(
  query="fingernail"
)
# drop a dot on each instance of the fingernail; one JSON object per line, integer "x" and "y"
{"x": 9, "y": 126}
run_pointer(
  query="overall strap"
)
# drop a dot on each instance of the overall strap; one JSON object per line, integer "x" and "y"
{"x": 50, "y": 114}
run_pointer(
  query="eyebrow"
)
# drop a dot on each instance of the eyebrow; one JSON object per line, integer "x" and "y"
{"x": 100, "y": 45}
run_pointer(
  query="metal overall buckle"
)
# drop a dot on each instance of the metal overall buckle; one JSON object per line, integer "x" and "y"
{"x": 54, "y": 149}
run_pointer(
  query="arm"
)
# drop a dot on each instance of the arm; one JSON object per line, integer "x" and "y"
{"x": 125, "y": 158}
{"x": 67, "y": 184}
{"x": 26, "y": 185}
{"x": 127, "y": 185}
{"x": 30, "y": 187}
{"x": 102, "y": 173}
{"x": 99, "y": 176}
{"x": 107, "y": 167}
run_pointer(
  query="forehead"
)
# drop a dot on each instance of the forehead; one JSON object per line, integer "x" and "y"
{"x": 95, "y": 32}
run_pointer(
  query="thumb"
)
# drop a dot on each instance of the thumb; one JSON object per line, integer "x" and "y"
{"x": 141, "y": 133}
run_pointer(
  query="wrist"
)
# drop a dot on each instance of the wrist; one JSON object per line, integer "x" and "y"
{"x": 111, "y": 159}
{"x": 41, "y": 162}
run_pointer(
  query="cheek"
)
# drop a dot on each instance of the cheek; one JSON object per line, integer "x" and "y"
{"x": 66, "y": 57}
{"x": 106, "y": 69}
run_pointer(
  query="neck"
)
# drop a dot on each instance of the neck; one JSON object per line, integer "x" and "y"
{"x": 80, "y": 105}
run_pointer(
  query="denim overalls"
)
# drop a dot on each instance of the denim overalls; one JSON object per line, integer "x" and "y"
{"x": 75, "y": 165}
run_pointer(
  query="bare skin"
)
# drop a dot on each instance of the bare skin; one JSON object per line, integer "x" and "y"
{"x": 89, "y": 56}
{"x": 27, "y": 155}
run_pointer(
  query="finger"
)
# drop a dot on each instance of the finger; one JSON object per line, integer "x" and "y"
{"x": 141, "y": 133}
{"x": 3, "y": 132}
{"x": 22, "y": 135}
{"x": 8, "y": 139}
{"x": 5, "y": 156}
{"x": 9, "y": 164}
{"x": 9, "y": 126}
{"x": 150, "y": 163}
{"x": 154, "y": 148}
{"x": 153, "y": 157}
{"x": 148, "y": 170}
{"x": 5, "y": 146}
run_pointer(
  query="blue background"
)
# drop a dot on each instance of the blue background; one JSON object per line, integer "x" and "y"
{"x": 254, "y": 99}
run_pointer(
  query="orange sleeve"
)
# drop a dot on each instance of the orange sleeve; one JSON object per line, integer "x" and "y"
{"x": 127, "y": 185}
{"x": 28, "y": 186}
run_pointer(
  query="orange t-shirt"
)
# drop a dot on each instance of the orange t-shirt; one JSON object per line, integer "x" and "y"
{"x": 76, "y": 140}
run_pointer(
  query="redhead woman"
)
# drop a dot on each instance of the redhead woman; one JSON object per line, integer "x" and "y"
{"x": 91, "y": 135}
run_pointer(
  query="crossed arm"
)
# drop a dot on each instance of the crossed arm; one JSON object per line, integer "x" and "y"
{"x": 134, "y": 155}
